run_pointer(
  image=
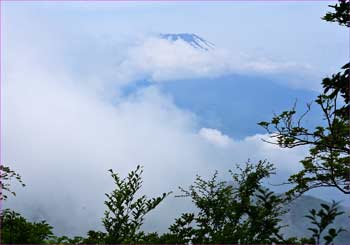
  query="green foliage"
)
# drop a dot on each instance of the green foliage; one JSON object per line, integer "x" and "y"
{"x": 66, "y": 240}
{"x": 239, "y": 212}
{"x": 6, "y": 175}
{"x": 95, "y": 237}
{"x": 125, "y": 213}
{"x": 341, "y": 14}
{"x": 321, "y": 220}
{"x": 15, "y": 229}
{"x": 327, "y": 164}
{"x": 182, "y": 231}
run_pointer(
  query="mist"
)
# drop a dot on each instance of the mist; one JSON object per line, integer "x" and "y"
{"x": 65, "y": 122}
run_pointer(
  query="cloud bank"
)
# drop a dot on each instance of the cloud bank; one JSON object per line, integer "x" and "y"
{"x": 160, "y": 60}
{"x": 62, "y": 134}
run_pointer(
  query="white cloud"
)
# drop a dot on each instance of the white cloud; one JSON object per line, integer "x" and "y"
{"x": 161, "y": 60}
{"x": 256, "y": 148}
{"x": 215, "y": 137}
{"x": 61, "y": 136}
{"x": 62, "y": 139}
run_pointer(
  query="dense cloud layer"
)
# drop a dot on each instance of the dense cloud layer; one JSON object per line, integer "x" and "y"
{"x": 65, "y": 124}
{"x": 63, "y": 140}
{"x": 159, "y": 60}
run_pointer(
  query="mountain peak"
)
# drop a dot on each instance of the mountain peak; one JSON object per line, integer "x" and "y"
{"x": 190, "y": 38}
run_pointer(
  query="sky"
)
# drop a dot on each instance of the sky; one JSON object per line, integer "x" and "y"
{"x": 89, "y": 86}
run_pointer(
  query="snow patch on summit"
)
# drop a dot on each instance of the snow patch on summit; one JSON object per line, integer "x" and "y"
{"x": 190, "y": 38}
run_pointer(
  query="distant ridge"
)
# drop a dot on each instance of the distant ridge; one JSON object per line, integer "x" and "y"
{"x": 298, "y": 223}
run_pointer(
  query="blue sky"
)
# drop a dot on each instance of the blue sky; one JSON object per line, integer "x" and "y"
{"x": 91, "y": 86}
